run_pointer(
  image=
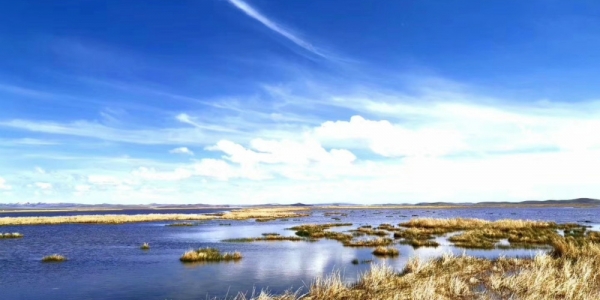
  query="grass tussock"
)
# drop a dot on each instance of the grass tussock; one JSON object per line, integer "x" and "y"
{"x": 209, "y": 255}
{"x": 10, "y": 235}
{"x": 570, "y": 272}
{"x": 369, "y": 231}
{"x": 54, "y": 258}
{"x": 145, "y": 246}
{"x": 386, "y": 251}
{"x": 420, "y": 243}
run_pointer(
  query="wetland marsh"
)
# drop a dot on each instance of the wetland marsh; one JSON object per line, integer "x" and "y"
{"x": 105, "y": 261}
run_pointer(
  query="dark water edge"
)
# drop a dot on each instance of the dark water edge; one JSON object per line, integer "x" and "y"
{"x": 105, "y": 261}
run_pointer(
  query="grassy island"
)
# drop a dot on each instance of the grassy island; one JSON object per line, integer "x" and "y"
{"x": 209, "y": 255}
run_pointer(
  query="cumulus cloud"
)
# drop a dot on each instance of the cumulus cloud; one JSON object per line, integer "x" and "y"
{"x": 387, "y": 139}
{"x": 181, "y": 150}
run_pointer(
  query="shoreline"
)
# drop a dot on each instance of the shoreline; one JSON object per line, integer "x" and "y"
{"x": 240, "y": 214}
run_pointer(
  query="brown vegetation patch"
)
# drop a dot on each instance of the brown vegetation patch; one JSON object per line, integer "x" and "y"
{"x": 386, "y": 251}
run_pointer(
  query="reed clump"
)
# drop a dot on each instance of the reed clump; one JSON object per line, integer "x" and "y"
{"x": 10, "y": 235}
{"x": 386, "y": 251}
{"x": 415, "y": 243}
{"x": 369, "y": 231}
{"x": 54, "y": 258}
{"x": 209, "y": 255}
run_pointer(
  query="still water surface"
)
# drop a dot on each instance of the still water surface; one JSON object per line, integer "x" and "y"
{"x": 105, "y": 261}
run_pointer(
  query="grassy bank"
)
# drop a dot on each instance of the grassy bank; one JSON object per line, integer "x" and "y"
{"x": 570, "y": 271}
{"x": 244, "y": 214}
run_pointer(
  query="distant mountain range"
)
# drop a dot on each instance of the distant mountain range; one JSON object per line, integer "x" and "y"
{"x": 105, "y": 206}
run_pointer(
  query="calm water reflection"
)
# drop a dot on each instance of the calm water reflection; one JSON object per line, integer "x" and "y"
{"x": 105, "y": 261}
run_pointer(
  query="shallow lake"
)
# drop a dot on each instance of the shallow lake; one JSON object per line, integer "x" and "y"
{"x": 106, "y": 262}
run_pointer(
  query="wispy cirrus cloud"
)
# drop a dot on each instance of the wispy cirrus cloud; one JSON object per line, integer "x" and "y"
{"x": 253, "y": 13}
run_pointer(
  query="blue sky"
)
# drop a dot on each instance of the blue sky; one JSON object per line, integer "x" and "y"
{"x": 262, "y": 101}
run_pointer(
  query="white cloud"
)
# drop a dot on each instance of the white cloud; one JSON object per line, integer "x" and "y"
{"x": 4, "y": 185}
{"x": 373, "y": 148}
{"x": 182, "y": 150}
{"x": 282, "y": 152}
{"x": 253, "y": 13}
{"x": 43, "y": 185}
{"x": 390, "y": 140}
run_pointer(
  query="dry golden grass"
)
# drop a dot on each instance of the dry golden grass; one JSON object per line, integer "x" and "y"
{"x": 265, "y": 213}
{"x": 415, "y": 243}
{"x": 386, "y": 251}
{"x": 100, "y": 219}
{"x": 464, "y": 224}
{"x": 369, "y": 231}
{"x": 54, "y": 258}
{"x": 570, "y": 272}
{"x": 261, "y": 213}
{"x": 9, "y": 235}
{"x": 209, "y": 255}
{"x": 482, "y": 234}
